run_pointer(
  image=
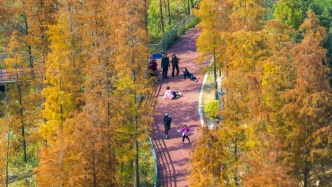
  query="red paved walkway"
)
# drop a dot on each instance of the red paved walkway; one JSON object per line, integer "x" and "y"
{"x": 173, "y": 157}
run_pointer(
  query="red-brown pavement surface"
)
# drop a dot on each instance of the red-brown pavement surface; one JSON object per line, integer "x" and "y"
{"x": 173, "y": 157}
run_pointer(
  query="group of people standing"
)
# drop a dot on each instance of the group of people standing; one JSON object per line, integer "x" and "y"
{"x": 166, "y": 64}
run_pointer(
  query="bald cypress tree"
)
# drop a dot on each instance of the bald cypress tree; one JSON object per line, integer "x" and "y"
{"x": 265, "y": 157}
{"x": 133, "y": 85}
{"x": 215, "y": 20}
{"x": 207, "y": 160}
{"x": 109, "y": 104}
{"x": 308, "y": 103}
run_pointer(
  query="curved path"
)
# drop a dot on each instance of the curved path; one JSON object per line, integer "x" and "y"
{"x": 173, "y": 157}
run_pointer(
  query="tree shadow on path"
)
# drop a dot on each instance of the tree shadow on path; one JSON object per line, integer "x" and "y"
{"x": 172, "y": 156}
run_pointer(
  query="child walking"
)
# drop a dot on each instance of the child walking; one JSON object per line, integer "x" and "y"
{"x": 185, "y": 134}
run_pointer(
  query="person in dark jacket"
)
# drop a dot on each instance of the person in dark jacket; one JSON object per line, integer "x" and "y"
{"x": 186, "y": 73}
{"x": 165, "y": 65}
{"x": 167, "y": 123}
{"x": 175, "y": 65}
{"x": 153, "y": 68}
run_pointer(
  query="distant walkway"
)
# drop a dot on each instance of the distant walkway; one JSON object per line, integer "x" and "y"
{"x": 173, "y": 157}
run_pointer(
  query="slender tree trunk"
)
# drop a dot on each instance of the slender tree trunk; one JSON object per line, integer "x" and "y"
{"x": 236, "y": 179}
{"x": 29, "y": 46}
{"x": 108, "y": 89}
{"x": 22, "y": 124}
{"x": 165, "y": 4}
{"x": 192, "y": 3}
{"x": 235, "y": 176}
{"x": 43, "y": 32}
{"x": 131, "y": 30}
{"x": 146, "y": 16}
{"x": 161, "y": 16}
{"x": 306, "y": 174}
{"x": 188, "y": 6}
{"x": 7, "y": 156}
{"x": 215, "y": 75}
{"x": 72, "y": 42}
{"x": 169, "y": 13}
{"x": 136, "y": 165}
{"x": 94, "y": 167}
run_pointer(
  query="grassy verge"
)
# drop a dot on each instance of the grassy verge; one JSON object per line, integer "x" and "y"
{"x": 146, "y": 165}
{"x": 208, "y": 95}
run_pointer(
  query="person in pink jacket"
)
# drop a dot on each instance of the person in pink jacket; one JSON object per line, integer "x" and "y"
{"x": 170, "y": 94}
{"x": 185, "y": 133}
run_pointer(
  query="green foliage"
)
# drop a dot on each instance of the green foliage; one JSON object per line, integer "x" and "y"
{"x": 291, "y": 12}
{"x": 21, "y": 174}
{"x": 192, "y": 24}
{"x": 323, "y": 11}
{"x": 178, "y": 11}
{"x": 146, "y": 166}
{"x": 212, "y": 109}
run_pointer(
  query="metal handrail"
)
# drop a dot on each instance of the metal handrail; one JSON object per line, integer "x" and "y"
{"x": 177, "y": 30}
{"x": 162, "y": 46}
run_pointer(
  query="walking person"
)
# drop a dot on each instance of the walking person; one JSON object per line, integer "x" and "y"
{"x": 185, "y": 133}
{"x": 175, "y": 65}
{"x": 167, "y": 124}
{"x": 165, "y": 65}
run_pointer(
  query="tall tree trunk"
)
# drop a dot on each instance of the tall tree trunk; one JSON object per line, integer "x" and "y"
{"x": 235, "y": 177}
{"x": 94, "y": 167}
{"x": 7, "y": 156}
{"x": 215, "y": 75}
{"x": 22, "y": 124}
{"x": 306, "y": 174}
{"x": 161, "y": 16}
{"x": 165, "y": 4}
{"x": 26, "y": 32}
{"x": 136, "y": 165}
{"x": 188, "y": 6}
{"x": 131, "y": 30}
{"x": 169, "y": 13}
{"x": 146, "y": 16}
{"x": 192, "y": 3}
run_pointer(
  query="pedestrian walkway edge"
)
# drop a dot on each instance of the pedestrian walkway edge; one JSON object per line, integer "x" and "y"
{"x": 200, "y": 100}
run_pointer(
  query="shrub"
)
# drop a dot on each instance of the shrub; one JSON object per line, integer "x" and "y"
{"x": 212, "y": 109}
